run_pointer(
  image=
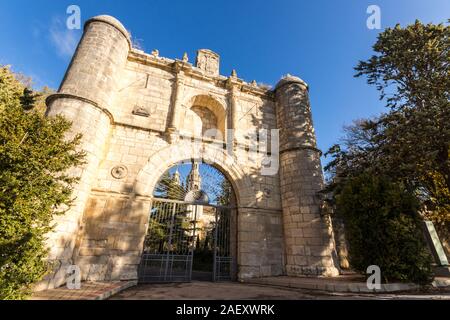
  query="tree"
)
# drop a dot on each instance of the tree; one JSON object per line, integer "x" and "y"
{"x": 410, "y": 143}
{"x": 225, "y": 193}
{"x": 44, "y": 92}
{"x": 168, "y": 188}
{"x": 35, "y": 157}
{"x": 383, "y": 228}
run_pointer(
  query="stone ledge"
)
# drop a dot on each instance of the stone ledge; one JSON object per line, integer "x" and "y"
{"x": 90, "y": 290}
{"x": 441, "y": 282}
{"x": 338, "y": 284}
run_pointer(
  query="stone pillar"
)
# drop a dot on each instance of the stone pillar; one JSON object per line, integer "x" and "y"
{"x": 173, "y": 126}
{"x": 84, "y": 97}
{"x": 232, "y": 86}
{"x": 308, "y": 237}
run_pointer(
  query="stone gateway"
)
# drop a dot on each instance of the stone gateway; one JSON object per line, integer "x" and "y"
{"x": 140, "y": 114}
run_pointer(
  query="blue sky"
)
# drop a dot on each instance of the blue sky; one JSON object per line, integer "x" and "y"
{"x": 320, "y": 41}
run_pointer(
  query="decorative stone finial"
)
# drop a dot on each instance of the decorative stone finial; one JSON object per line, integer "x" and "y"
{"x": 253, "y": 83}
{"x": 234, "y": 73}
{"x": 185, "y": 57}
{"x": 155, "y": 53}
{"x": 290, "y": 79}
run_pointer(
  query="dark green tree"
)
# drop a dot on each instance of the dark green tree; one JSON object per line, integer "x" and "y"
{"x": 410, "y": 143}
{"x": 411, "y": 69}
{"x": 225, "y": 193}
{"x": 168, "y": 188}
{"x": 383, "y": 228}
{"x": 35, "y": 157}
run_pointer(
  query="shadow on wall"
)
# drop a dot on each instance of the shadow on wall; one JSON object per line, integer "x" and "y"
{"x": 114, "y": 225}
{"x": 110, "y": 241}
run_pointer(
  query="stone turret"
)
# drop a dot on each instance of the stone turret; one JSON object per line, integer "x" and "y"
{"x": 308, "y": 236}
{"x": 84, "y": 97}
{"x": 176, "y": 177}
{"x": 194, "y": 180}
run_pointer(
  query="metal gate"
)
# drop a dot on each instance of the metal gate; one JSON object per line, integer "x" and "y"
{"x": 176, "y": 233}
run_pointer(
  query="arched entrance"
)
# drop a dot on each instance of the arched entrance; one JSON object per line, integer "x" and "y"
{"x": 191, "y": 227}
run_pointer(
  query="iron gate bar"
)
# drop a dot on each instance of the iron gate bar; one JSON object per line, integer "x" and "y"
{"x": 172, "y": 249}
{"x": 215, "y": 247}
{"x": 170, "y": 238}
{"x": 174, "y": 252}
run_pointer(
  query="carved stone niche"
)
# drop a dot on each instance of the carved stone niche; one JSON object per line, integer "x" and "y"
{"x": 208, "y": 61}
{"x": 140, "y": 111}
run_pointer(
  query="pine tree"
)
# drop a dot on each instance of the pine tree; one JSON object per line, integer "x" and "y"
{"x": 35, "y": 157}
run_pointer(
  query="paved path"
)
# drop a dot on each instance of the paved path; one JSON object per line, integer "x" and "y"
{"x": 198, "y": 290}
{"x": 92, "y": 290}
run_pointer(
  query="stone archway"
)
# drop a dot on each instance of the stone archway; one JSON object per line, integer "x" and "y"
{"x": 192, "y": 227}
{"x": 129, "y": 146}
{"x": 159, "y": 162}
{"x": 213, "y": 155}
{"x": 202, "y": 105}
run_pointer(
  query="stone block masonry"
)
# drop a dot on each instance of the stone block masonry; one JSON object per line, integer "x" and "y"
{"x": 142, "y": 113}
{"x": 307, "y": 235}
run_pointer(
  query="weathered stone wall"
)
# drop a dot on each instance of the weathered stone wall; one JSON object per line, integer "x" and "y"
{"x": 308, "y": 235}
{"x": 133, "y": 110}
{"x": 114, "y": 227}
{"x": 198, "y": 120}
{"x": 260, "y": 243}
{"x": 86, "y": 93}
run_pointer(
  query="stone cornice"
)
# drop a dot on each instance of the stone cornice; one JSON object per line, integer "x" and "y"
{"x": 55, "y": 96}
{"x": 189, "y": 70}
{"x": 302, "y": 147}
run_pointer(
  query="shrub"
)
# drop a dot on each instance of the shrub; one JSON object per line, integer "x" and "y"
{"x": 34, "y": 184}
{"x": 383, "y": 228}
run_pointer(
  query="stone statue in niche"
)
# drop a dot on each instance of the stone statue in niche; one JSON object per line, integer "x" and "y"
{"x": 140, "y": 111}
{"x": 208, "y": 61}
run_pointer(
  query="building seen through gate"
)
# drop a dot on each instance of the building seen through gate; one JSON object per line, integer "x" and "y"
{"x": 189, "y": 237}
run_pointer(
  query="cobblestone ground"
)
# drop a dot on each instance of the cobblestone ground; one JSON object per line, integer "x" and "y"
{"x": 232, "y": 290}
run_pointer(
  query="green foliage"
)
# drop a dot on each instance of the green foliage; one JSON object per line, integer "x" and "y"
{"x": 383, "y": 228}
{"x": 410, "y": 143}
{"x": 162, "y": 221}
{"x": 225, "y": 195}
{"x": 203, "y": 260}
{"x": 168, "y": 188}
{"x": 34, "y": 184}
{"x": 10, "y": 89}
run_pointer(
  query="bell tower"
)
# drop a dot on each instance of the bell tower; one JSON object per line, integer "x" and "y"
{"x": 194, "y": 181}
